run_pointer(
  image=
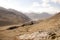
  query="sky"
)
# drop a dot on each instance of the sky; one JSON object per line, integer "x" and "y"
{"x": 50, "y": 6}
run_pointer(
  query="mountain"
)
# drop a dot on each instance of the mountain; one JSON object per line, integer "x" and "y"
{"x": 11, "y": 16}
{"x": 36, "y": 16}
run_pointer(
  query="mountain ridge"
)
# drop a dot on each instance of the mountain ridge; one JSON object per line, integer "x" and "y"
{"x": 12, "y": 17}
{"x": 37, "y": 16}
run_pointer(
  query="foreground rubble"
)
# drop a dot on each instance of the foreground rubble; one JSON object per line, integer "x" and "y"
{"x": 39, "y": 35}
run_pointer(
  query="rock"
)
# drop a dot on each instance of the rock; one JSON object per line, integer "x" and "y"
{"x": 34, "y": 36}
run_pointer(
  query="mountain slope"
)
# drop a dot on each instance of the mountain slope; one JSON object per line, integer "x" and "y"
{"x": 8, "y": 17}
{"x": 48, "y": 24}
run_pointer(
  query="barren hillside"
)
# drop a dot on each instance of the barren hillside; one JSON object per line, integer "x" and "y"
{"x": 8, "y": 17}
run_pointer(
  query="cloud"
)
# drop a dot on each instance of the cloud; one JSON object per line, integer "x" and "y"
{"x": 45, "y": 1}
{"x": 35, "y": 4}
{"x": 56, "y": 1}
{"x": 43, "y": 7}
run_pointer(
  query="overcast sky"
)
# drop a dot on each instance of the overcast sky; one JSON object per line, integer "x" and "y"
{"x": 50, "y": 6}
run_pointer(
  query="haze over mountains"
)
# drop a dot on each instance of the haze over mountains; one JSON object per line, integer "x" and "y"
{"x": 38, "y": 16}
{"x": 11, "y": 16}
